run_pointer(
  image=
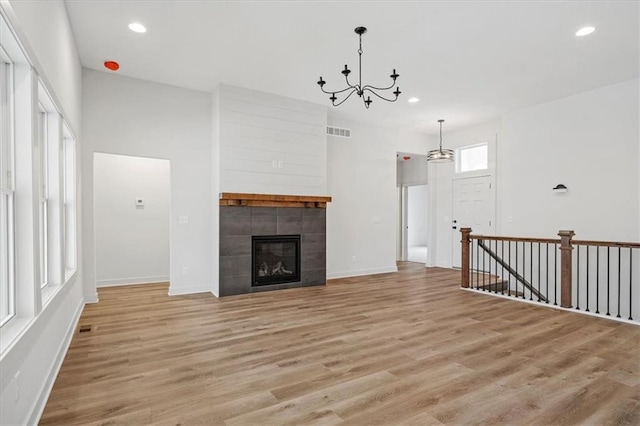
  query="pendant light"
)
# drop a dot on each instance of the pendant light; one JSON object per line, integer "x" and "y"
{"x": 440, "y": 155}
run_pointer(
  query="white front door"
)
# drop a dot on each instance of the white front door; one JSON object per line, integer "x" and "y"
{"x": 473, "y": 207}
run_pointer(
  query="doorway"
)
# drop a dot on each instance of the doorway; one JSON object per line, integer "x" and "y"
{"x": 132, "y": 219}
{"x": 412, "y": 217}
{"x": 473, "y": 207}
{"x": 417, "y": 223}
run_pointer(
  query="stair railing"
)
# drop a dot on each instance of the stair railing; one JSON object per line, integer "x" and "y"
{"x": 600, "y": 277}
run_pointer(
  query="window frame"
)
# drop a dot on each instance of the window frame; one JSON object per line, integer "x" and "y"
{"x": 7, "y": 184}
{"x": 69, "y": 188}
{"x": 43, "y": 194}
{"x": 458, "y": 158}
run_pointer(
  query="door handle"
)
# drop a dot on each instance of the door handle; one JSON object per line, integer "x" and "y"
{"x": 454, "y": 227}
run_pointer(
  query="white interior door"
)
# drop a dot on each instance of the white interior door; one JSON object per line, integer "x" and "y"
{"x": 473, "y": 207}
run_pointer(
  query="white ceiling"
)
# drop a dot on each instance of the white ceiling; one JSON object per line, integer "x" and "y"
{"x": 468, "y": 62}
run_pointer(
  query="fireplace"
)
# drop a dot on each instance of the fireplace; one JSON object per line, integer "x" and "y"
{"x": 275, "y": 259}
{"x": 264, "y": 224}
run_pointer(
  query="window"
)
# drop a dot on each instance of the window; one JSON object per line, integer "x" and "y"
{"x": 50, "y": 229}
{"x": 69, "y": 176}
{"x": 7, "y": 276}
{"x": 472, "y": 158}
{"x": 43, "y": 208}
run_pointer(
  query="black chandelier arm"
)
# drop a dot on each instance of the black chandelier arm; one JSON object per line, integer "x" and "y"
{"x": 333, "y": 92}
{"x": 354, "y": 86}
{"x": 368, "y": 89}
{"x": 348, "y": 96}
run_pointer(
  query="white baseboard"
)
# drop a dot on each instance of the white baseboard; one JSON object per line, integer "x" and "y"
{"x": 361, "y": 272}
{"x": 132, "y": 281}
{"x": 41, "y": 402}
{"x": 189, "y": 290}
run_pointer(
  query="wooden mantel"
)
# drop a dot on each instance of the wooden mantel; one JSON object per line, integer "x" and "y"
{"x": 273, "y": 200}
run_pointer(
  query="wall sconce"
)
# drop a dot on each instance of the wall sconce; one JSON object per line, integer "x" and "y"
{"x": 560, "y": 188}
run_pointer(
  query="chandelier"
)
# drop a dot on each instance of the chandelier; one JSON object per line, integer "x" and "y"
{"x": 359, "y": 89}
{"x": 440, "y": 155}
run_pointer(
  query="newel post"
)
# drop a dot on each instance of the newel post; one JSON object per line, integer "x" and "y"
{"x": 566, "y": 250}
{"x": 465, "y": 256}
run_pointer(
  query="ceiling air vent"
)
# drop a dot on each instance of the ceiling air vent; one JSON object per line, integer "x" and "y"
{"x": 336, "y": 131}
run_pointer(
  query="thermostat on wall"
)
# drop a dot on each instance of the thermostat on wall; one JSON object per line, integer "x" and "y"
{"x": 139, "y": 202}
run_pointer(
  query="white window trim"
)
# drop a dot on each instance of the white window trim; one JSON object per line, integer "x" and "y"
{"x": 69, "y": 203}
{"x": 7, "y": 184}
{"x": 43, "y": 196}
{"x": 476, "y": 171}
{"x": 10, "y": 262}
{"x": 52, "y": 274}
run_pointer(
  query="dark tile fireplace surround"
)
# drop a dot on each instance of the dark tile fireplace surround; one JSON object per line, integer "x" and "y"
{"x": 240, "y": 223}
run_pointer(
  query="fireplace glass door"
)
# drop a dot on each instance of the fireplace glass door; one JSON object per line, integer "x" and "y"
{"x": 275, "y": 259}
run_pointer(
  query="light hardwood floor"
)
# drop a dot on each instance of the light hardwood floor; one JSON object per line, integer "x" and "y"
{"x": 406, "y": 348}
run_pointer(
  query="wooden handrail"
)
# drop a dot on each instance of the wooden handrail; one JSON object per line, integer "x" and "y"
{"x": 604, "y": 244}
{"x": 555, "y": 241}
{"x": 519, "y": 239}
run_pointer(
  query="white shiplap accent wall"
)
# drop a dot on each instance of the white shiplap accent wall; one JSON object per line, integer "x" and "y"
{"x": 259, "y": 128}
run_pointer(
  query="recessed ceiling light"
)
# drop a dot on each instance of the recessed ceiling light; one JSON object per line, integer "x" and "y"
{"x": 585, "y": 31}
{"x": 137, "y": 27}
{"x": 413, "y": 100}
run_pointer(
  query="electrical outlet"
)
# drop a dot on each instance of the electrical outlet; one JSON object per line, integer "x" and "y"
{"x": 353, "y": 259}
{"x": 185, "y": 271}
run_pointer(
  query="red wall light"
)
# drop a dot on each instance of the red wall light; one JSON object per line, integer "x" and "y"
{"x": 111, "y": 65}
{"x": 406, "y": 157}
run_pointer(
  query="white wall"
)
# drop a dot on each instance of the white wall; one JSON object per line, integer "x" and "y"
{"x": 45, "y": 26}
{"x": 362, "y": 218}
{"x": 37, "y": 353}
{"x": 589, "y": 142}
{"x": 258, "y": 129}
{"x": 442, "y": 236}
{"x": 417, "y": 215}
{"x": 134, "y": 117}
{"x": 132, "y": 241}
